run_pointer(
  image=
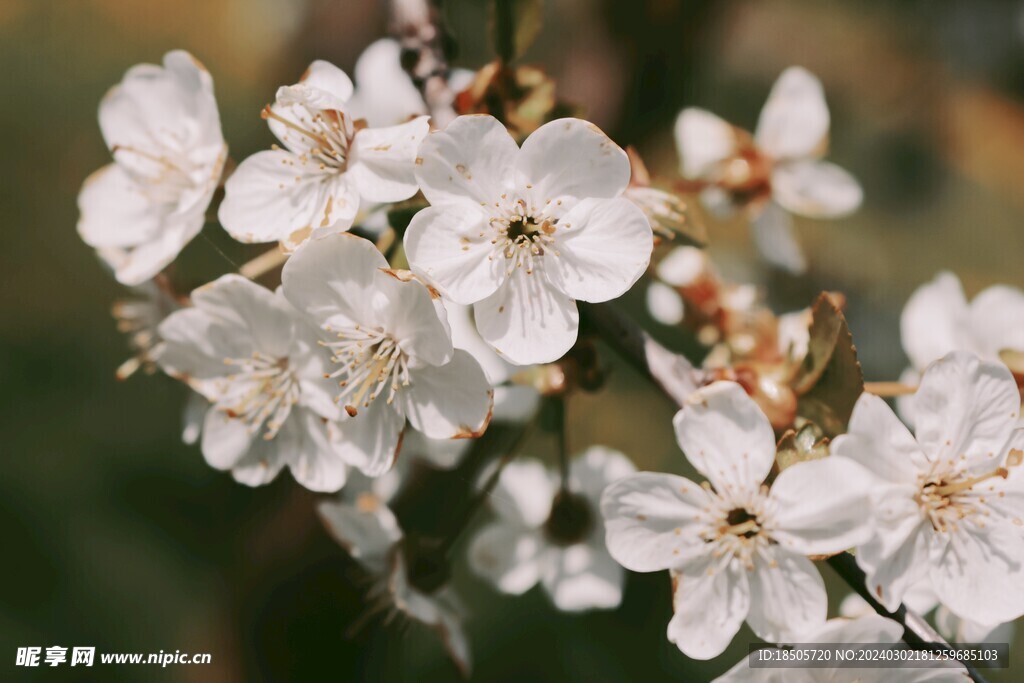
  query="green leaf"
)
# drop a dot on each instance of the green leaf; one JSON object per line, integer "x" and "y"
{"x": 515, "y": 24}
{"x": 807, "y": 444}
{"x": 830, "y": 380}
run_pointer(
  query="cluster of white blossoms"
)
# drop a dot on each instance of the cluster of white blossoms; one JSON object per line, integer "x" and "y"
{"x": 467, "y": 313}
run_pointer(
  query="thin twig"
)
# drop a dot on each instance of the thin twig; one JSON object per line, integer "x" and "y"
{"x": 677, "y": 377}
{"x": 263, "y": 264}
{"x": 886, "y": 389}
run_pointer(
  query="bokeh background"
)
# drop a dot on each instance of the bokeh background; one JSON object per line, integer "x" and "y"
{"x": 116, "y": 535}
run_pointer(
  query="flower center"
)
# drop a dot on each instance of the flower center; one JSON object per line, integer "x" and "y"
{"x": 261, "y": 393}
{"x": 330, "y": 133}
{"x": 737, "y": 528}
{"x": 371, "y": 363}
{"x": 426, "y": 567}
{"x": 948, "y": 500}
{"x": 571, "y": 519}
{"x": 524, "y": 233}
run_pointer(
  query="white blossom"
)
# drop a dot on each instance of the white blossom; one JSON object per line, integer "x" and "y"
{"x": 370, "y": 533}
{"x": 387, "y": 349}
{"x": 543, "y": 535}
{"x": 779, "y": 170}
{"x": 329, "y": 166}
{"x": 257, "y": 362}
{"x": 948, "y": 499}
{"x": 163, "y": 130}
{"x": 738, "y": 550}
{"x": 937, "y": 319}
{"x": 523, "y": 233}
{"x": 867, "y": 630}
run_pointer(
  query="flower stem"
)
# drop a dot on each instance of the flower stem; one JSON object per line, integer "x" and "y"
{"x": 677, "y": 377}
{"x": 417, "y": 25}
{"x": 263, "y": 264}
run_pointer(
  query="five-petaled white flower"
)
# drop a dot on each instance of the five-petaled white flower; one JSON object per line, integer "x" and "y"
{"x": 330, "y": 164}
{"x": 258, "y": 363}
{"x": 523, "y": 233}
{"x": 163, "y": 130}
{"x": 777, "y": 171}
{"x": 938, "y": 319}
{"x": 872, "y": 631}
{"x": 387, "y": 348}
{"x": 553, "y": 537}
{"x": 738, "y": 550}
{"x": 370, "y": 532}
{"x": 949, "y": 500}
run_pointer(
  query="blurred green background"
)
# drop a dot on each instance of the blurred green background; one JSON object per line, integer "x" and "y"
{"x": 117, "y": 536}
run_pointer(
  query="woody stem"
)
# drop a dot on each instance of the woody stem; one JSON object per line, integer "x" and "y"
{"x": 886, "y": 389}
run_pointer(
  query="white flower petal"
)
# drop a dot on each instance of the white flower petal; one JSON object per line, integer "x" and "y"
{"x": 336, "y": 275}
{"x": 450, "y": 247}
{"x": 683, "y": 266}
{"x": 367, "y": 530}
{"x": 878, "y": 440}
{"x": 996, "y": 320}
{"x": 115, "y": 212}
{"x": 795, "y": 120}
{"x": 524, "y": 493}
{"x": 787, "y": 596}
{"x": 507, "y": 557}
{"x": 323, "y": 75}
{"x": 225, "y": 441}
{"x": 775, "y": 238}
{"x": 573, "y": 158}
{"x": 527, "y": 320}
{"x": 934, "y": 320}
{"x": 595, "y": 468}
{"x": 665, "y": 304}
{"x": 370, "y": 440}
{"x": 451, "y": 401}
{"x": 979, "y": 575}
{"x": 382, "y": 160}
{"x": 897, "y": 559}
{"x": 384, "y": 95}
{"x": 816, "y": 189}
{"x": 316, "y": 464}
{"x": 273, "y": 194}
{"x": 650, "y": 519}
{"x": 710, "y": 602}
{"x": 583, "y": 577}
{"x": 602, "y": 246}
{"x": 470, "y": 161}
{"x": 966, "y": 410}
{"x": 703, "y": 141}
{"x": 822, "y": 506}
{"x": 407, "y": 310}
{"x": 726, "y": 437}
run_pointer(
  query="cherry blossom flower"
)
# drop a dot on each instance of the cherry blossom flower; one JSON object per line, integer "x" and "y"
{"x": 543, "y": 535}
{"x": 737, "y": 549}
{"x": 938, "y": 319}
{"x": 257, "y": 362}
{"x": 776, "y": 172}
{"x": 523, "y": 233}
{"x": 387, "y": 349}
{"x": 330, "y": 164}
{"x": 370, "y": 533}
{"x": 948, "y": 500}
{"x": 163, "y": 130}
{"x": 869, "y": 629}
